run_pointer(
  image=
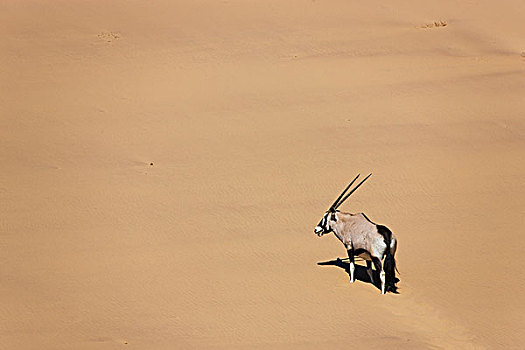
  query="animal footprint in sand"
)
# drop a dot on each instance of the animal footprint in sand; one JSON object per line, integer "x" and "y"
{"x": 109, "y": 36}
{"x": 435, "y": 24}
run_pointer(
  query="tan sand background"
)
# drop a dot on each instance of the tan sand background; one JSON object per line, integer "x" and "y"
{"x": 255, "y": 114}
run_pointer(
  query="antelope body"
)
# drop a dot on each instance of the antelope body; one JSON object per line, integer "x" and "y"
{"x": 363, "y": 238}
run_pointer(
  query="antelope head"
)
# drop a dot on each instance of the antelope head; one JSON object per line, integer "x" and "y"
{"x": 330, "y": 216}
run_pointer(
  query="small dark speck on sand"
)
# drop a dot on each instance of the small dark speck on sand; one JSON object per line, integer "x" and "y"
{"x": 151, "y": 164}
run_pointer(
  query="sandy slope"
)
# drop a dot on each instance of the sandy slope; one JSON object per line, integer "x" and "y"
{"x": 255, "y": 114}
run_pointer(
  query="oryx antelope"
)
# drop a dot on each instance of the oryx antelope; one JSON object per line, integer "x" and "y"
{"x": 363, "y": 238}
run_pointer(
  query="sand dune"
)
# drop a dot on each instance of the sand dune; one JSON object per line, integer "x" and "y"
{"x": 164, "y": 164}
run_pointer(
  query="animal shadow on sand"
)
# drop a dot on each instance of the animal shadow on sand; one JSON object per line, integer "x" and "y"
{"x": 359, "y": 273}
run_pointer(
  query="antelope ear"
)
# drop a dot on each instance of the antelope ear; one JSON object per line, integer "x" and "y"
{"x": 335, "y": 217}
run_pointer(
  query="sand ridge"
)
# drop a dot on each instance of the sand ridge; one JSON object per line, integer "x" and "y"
{"x": 255, "y": 115}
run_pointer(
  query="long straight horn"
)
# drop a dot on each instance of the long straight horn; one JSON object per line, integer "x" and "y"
{"x": 333, "y": 206}
{"x": 353, "y": 190}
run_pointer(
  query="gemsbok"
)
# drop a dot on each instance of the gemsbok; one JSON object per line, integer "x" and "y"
{"x": 363, "y": 238}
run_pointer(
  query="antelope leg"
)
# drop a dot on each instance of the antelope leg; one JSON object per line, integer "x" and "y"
{"x": 369, "y": 271}
{"x": 352, "y": 265}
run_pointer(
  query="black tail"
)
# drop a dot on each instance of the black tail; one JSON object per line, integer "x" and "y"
{"x": 390, "y": 261}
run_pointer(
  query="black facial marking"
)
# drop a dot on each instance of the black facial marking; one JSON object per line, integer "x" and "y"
{"x": 325, "y": 222}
